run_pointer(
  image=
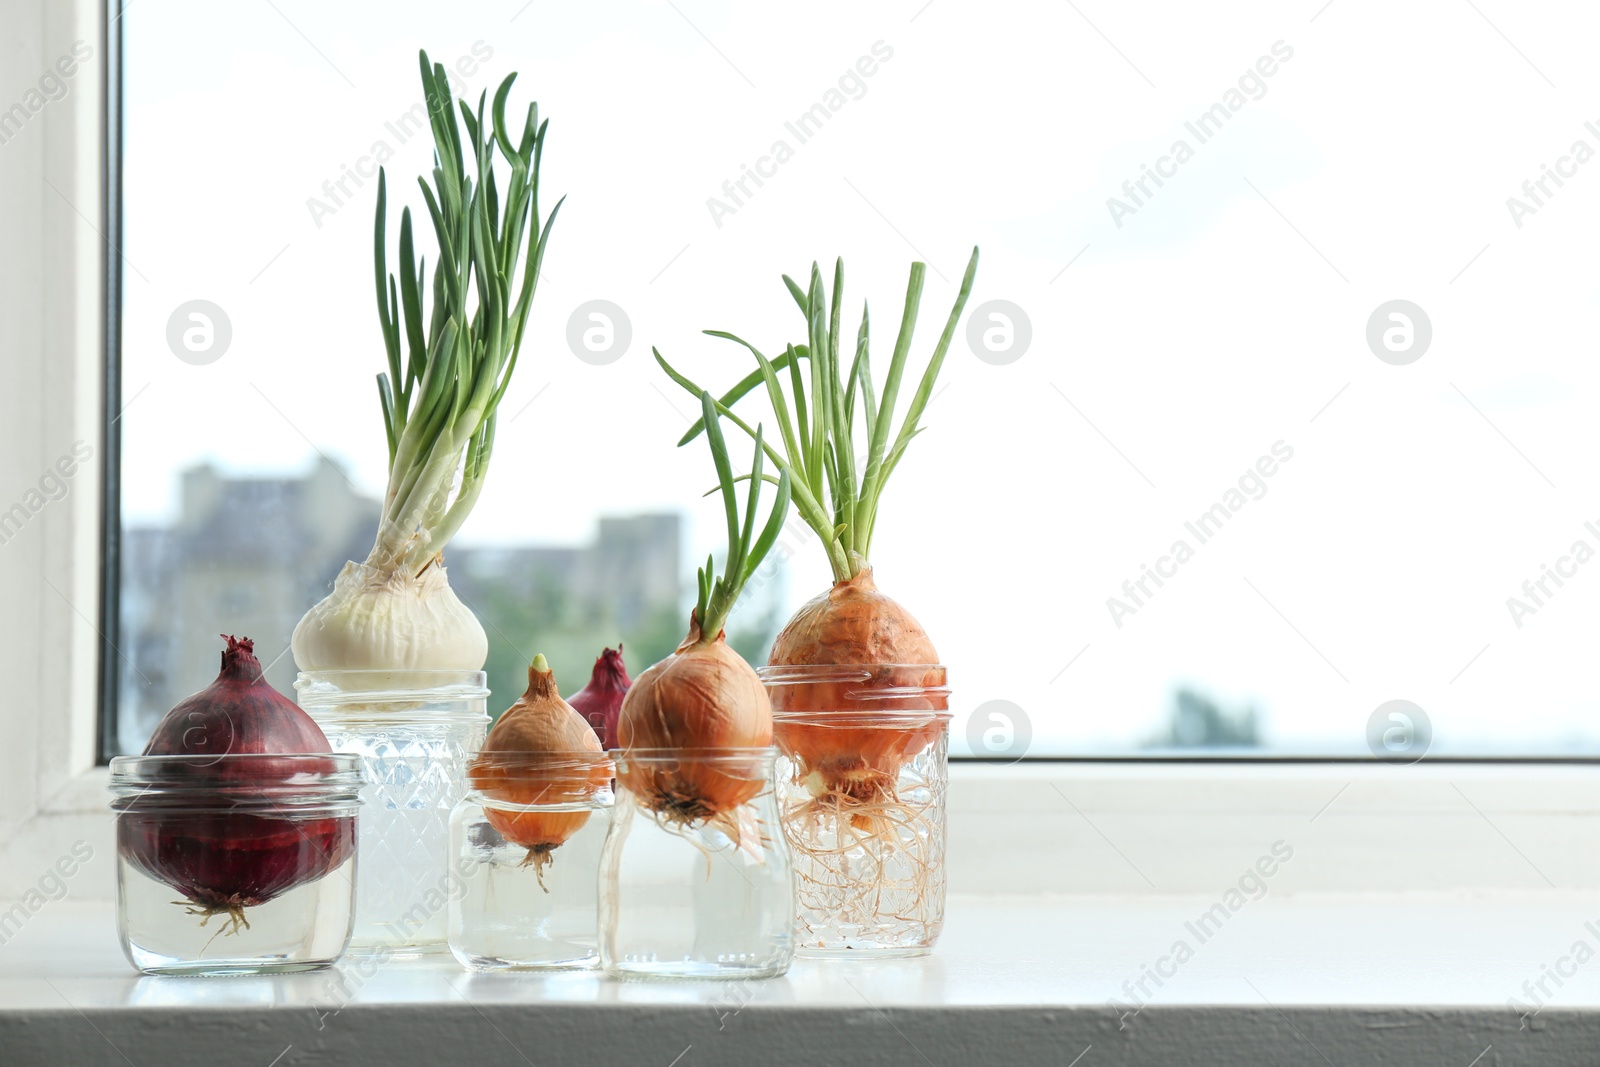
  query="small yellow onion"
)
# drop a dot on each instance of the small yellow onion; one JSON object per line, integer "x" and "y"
{"x": 702, "y": 697}
{"x": 540, "y": 752}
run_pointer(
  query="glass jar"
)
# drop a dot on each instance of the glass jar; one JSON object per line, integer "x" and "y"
{"x": 695, "y": 876}
{"x": 527, "y": 840}
{"x": 235, "y": 864}
{"x": 414, "y": 732}
{"x": 861, "y": 782}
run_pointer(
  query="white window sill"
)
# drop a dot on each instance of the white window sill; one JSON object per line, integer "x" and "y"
{"x": 1405, "y": 979}
{"x": 1119, "y": 829}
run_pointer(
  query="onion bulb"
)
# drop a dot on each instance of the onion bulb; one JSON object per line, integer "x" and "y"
{"x": 541, "y": 753}
{"x": 600, "y": 702}
{"x": 704, "y": 699}
{"x": 857, "y": 755}
{"x": 378, "y": 619}
{"x": 222, "y": 861}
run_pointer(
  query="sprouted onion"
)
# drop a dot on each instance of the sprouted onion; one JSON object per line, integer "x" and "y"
{"x": 448, "y": 371}
{"x": 838, "y": 479}
{"x": 544, "y": 763}
{"x": 704, "y": 698}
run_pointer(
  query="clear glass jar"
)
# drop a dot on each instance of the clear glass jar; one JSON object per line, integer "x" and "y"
{"x": 527, "y": 839}
{"x": 695, "y": 876}
{"x": 861, "y": 783}
{"x": 415, "y": 732}
{"x": 235, "y": 864}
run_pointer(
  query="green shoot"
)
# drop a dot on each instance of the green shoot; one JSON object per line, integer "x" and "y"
{"x": 439, "y": 400}
{"x": 718, "y": 593}
{"x": 838, "y": 440}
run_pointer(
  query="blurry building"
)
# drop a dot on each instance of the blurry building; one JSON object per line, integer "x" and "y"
{"x": 248, "y": 556}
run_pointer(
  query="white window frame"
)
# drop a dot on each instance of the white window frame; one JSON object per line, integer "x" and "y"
{"x": 1100, "y": 827}
{"x": 51, "y": 329}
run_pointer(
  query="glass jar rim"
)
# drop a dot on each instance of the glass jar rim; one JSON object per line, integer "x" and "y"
{"x": 332, "y": 689}
{"x": 898, "y": 719}
{"x": 254, "y": 782}
{"x": 701, "y": 756}
{"x": 880, "y": 697}
{"x": 893, "y": 680}
{"x": 540, "y": 761}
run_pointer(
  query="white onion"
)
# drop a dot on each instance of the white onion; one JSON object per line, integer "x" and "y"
{"x": 378, "y": 620}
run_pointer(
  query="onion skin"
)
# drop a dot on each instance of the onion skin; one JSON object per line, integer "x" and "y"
{"x": 509, "y": 766}
{"x": 600, "y": 702}
{"x": 703, "y": 696}
{"x": 378, "y": 618}
{"x": 238, "y": 714}
{"x": 225, "y": 861}
{"x": 852, "y": 623}
{"x": 856, "y": 625}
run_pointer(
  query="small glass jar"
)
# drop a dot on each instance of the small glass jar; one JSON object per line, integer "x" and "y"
{"x": 235, "y": 864}
{"x": 861, "y": 783}
{"x": 415, "y": 732}
{"x": 527, "y": 841}
{"x": 695, "y": 876}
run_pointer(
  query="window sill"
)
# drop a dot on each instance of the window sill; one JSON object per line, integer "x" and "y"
{"x": 1374, "y": 978}
{"x": 1124, "y": 829}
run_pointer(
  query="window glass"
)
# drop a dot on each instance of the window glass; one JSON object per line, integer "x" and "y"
{"x": 1266, "y": 429}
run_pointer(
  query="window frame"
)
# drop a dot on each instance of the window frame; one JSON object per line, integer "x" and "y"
{"x": 52, "y": 297}
{"x": 61, "y": 577}
{"x": 108, "y": 722}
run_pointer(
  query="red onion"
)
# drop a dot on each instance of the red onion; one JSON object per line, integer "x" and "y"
{"x": 239, "y": 713}
{"x": 600, "y": 702}
{"x": 221, "y": 860}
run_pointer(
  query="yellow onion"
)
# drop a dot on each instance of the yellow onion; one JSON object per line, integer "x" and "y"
{"x": 703, "y": 697}
{"x": 863, "y": 734}
{"x": 541, "y": 753}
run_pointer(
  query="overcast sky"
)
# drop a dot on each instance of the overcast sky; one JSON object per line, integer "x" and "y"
{"x": 1200, "y": 322}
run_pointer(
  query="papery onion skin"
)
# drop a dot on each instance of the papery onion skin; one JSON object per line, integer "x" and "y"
{"x": 238, "y": 714}
{"x": 600, "y": 702}
{"x": 221, "y": 860}
{"x": 383, "y": 619}
{"x": 854, "y": 624}
{"x": 540, "y": 752}
{"x": 703, "y": 696}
